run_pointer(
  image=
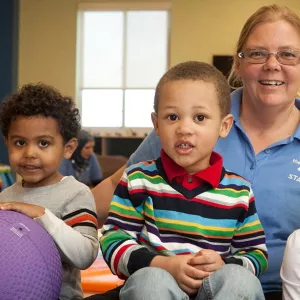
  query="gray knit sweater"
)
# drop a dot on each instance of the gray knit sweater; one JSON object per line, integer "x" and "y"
{"x": 70, "y": 218}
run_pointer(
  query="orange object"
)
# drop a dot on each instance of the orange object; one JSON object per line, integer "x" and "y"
{"x": 98, "y": 278}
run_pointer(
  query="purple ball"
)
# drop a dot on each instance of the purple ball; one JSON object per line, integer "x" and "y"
{"x": 30, "y": 264}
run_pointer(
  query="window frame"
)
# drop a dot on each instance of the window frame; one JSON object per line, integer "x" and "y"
{"x": 115, "y": 6}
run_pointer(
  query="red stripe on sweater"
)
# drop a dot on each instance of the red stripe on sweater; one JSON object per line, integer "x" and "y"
{"x": 82, "y": 218}
{"x": 118, "y": 256}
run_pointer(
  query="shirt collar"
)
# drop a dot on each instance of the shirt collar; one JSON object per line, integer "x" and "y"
{"x": 212, "y": 174}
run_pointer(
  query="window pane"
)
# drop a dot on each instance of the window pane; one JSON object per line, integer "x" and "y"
{"x": 138, "y": 108}
{"x": 102, "y": 49}
{"x": 146, "y": 48}
{"x": 102, "y": 108}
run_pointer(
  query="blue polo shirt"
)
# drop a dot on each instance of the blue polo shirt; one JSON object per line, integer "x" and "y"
{"x": 275, "y": 177}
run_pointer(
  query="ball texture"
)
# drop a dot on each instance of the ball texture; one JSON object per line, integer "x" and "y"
{"x": 30, "y": 264}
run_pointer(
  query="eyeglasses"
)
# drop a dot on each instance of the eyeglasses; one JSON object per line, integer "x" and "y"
{"x": 285, "y": 57}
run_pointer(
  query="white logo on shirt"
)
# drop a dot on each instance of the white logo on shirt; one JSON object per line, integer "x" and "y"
{"x": 293, "y": 176}
{"x": 296, "y": 161}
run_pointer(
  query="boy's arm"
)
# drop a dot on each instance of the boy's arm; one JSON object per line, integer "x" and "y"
{"x": 76, "y": 234}
{"x": 248, "y": 244}
{"x": 124, "y": 224}
{"x": 290, "y": 268}
{"x": 103, "y": 194}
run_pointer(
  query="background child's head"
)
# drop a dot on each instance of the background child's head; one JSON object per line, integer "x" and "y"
{"x": 195, "y": 70}
{"x": 85, "y": 148}
{"x": 41, "y": 100}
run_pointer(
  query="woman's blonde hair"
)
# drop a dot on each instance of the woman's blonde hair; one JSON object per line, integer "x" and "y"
{"x": 265, "y": 14}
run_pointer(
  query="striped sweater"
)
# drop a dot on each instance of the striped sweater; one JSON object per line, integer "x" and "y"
{"x": 150, "y": 216}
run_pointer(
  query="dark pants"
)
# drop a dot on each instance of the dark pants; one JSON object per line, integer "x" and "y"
{"x": 274, "y": 296}
{"x": 110, "y": 295}
{"x": 114, "y": 295}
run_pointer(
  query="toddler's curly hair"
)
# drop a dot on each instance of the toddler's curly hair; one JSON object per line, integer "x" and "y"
{"x": 41, "y": 100}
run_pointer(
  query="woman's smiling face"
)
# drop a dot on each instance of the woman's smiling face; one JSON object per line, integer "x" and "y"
{"x": 270, "y": 83}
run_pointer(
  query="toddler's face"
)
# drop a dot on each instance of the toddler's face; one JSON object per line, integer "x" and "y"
{"x": 35, "y": 149}
{"x": 189, "y": 122}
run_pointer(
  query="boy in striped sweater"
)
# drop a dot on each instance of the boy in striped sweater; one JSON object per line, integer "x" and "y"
{"x": 181, "y": 226}
{"x": 40, "y": 127}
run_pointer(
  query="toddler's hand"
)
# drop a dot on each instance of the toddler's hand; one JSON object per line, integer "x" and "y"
{"x": 30, "y": 210}
{"x": 188, "y": 278}
{"x": 207, "y": 260}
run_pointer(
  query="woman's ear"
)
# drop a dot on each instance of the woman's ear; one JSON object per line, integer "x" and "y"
{"x": 226, "y": 125}
{"x": 70, "y": 147}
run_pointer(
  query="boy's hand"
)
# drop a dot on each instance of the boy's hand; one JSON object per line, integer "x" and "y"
{"x": 188, "y": 278}
{"x": 30, "y": 210}
{"x": 207, "y": 260}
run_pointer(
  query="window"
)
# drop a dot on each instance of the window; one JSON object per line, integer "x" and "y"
{"x": 122, "y": 53}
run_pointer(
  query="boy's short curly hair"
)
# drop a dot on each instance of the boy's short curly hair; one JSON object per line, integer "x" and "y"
{"x": 44, "y": 100}
{"x": 196, "y": 70}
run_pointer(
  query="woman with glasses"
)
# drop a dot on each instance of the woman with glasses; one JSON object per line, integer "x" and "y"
{"x": 264, "y": 142}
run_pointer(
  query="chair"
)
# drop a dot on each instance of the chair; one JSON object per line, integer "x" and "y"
{"x": 111, "y": 163}
{"x": 98, "y": 279}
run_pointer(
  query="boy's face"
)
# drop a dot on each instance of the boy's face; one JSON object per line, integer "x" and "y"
{"x": 189, "y": 122}
{"x": 36, "y": 148}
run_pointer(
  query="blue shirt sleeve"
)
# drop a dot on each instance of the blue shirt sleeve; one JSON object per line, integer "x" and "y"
{"x": 149, "y": 149}
{"x": 66, "y": 168}
{"x": 95, "y": 171}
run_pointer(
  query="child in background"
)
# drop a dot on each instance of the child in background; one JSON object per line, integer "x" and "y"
{"x": 290, "y": 269}
{"x": 181, "y": 226}
{"x": 40, "y": 127}
{"x": 83, "y": 164}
